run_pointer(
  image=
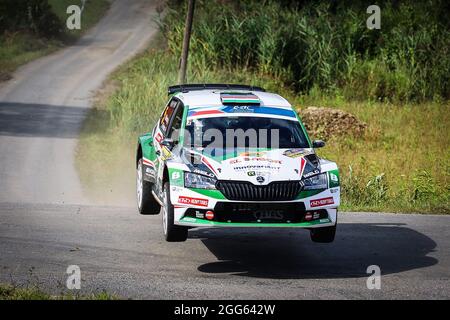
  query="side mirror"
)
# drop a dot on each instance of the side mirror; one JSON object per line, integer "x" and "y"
{"x": 318, "y": 143}
{"x": 168, "y": 143}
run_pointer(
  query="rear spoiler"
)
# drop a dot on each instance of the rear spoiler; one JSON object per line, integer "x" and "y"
{"x": 211, "y": 86}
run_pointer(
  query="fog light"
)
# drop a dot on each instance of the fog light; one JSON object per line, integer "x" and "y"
{"x": 209, "y": 215}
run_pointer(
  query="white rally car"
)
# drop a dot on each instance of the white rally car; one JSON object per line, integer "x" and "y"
{"x": 234, "y": 156}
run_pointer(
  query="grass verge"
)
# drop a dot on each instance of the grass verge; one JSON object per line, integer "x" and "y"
{"x": 9, "y": 292}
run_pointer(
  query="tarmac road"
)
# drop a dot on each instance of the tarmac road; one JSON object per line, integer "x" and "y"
{"x": 124, "y": 253}
{"x": 46, "y": 223}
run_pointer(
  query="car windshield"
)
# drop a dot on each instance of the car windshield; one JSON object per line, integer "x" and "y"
{"x": 244, "y": 132}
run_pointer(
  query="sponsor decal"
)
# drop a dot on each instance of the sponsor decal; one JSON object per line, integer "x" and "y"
{"x": 256, "y": 159}
{"x": 294, "y": 153}
{"x": 311, "y": 173}
{"x": 263, "y": 159}
{"x": 242, "y": 109}
{"x": 176, "y": 175}
{"x": 334, "y": 177}
{"x": 256, "y": 167}
{"x": 193, "y": 201}
{"x": 203, "y": 172}
{"x": 264, "y": 110}
{"x": 321, "y": 202}
{"x": 199, "y": 215}
{"x": 252, "y": 154}
{"x": 314, "y": 215}
{"x": 258, "y": 173}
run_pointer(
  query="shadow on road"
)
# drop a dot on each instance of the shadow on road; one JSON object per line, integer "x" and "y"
{"x": 39, "y": 120}
{"x": 290, "y": 254}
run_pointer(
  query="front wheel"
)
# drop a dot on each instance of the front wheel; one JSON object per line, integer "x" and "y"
{"x": 323, "y": 235}
{"x": 172, "y": 232}
{"x": 145, "y": 200}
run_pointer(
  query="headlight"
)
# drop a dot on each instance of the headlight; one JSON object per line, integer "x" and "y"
{"x": 316, "y": 182}
{"x": 193, "y": 180}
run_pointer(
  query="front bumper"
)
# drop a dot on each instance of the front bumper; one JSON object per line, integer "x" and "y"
{"x": 309, "y": 210}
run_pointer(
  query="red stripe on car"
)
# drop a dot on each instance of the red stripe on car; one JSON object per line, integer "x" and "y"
{"x": 206, "y": 112}
{"x": 208, "y": 164}
{"x": 302, "y": 165}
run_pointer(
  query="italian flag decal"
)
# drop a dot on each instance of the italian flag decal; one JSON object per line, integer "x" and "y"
{"x": 239, "y": 98}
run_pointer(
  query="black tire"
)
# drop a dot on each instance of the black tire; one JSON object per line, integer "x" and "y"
{"x": 323, "y": 235}
{"x": 146, "y": 202}
{"x": 172, "y": 232}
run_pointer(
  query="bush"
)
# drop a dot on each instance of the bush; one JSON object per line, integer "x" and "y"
{"x": 325, "y": 45}
{"x": 34, "y": 16}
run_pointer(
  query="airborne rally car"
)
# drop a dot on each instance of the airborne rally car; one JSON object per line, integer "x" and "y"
{"x": 234, "y": 156}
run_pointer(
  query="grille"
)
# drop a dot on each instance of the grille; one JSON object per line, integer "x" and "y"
{"x": 246, "y": 191}
{"x": 255, "y": 212}
{"x": 259, "y": 212}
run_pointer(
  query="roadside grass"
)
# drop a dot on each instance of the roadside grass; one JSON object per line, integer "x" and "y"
{"x": 402, "y": 163}
{"x": 20, "y": 47}
{"x": 10, "y": 292}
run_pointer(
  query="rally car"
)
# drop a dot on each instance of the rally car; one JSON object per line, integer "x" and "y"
{"x": 226, "y": 155}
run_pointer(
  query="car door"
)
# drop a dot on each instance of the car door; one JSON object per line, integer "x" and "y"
{"x": 170, "y": 120}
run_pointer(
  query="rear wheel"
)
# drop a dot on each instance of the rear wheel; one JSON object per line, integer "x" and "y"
{"x": 146, "y": 202}
{"x": 323, "y": 235}
{"x": 172, "y": 232}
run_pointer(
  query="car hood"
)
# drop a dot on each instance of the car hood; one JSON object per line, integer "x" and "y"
{"x": 258, "y": 166}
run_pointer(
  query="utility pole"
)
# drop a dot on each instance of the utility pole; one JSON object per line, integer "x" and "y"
{"x": 186, "y": 40}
